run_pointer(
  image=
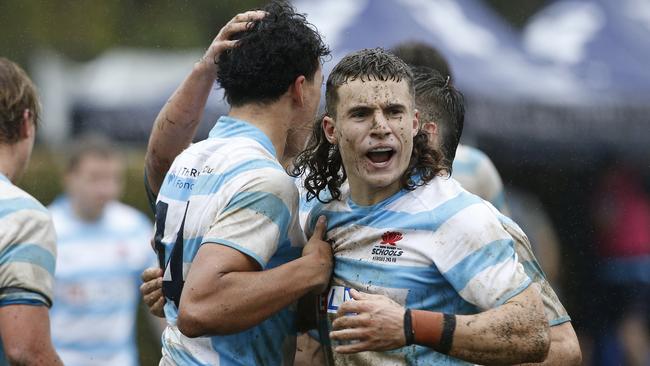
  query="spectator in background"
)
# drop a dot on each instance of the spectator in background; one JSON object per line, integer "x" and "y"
{"x": 27, "y": 237}
{"x": 621, "y": 217}
{"x": 101, "y": 255}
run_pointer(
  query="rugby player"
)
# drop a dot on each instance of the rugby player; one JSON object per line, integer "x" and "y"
{"x": 476, "y": 173}
{"x": 433, "y": 274}
{"x": 27, "y": 237}
{"x": 433, "y": 92}
{"x": 227, "y": 229}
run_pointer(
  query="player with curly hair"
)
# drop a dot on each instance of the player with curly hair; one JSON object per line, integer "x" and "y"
{"x": 227, "y": 229}
{"x": 424, "y": 273}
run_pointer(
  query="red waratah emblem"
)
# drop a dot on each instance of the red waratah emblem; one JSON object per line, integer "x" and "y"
{"x": 391, "y": 237}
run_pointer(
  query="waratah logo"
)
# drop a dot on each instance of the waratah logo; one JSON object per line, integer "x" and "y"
{"x": 391, "y": 237}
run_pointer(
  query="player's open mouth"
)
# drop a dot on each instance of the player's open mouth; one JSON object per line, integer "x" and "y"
{"x": 380, "y": 155}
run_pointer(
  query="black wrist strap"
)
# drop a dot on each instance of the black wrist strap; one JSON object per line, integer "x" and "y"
{"x": 409, "y": 334}
{"x": 447, "y": 337}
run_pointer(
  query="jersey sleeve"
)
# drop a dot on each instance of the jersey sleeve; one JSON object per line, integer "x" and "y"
{"x": 555, "y": 311}
{"x": 478, "y": 258}
{"x": 27, "y": 255}
{"x": 258, "y": 218}
{"x": 491, "y": 183}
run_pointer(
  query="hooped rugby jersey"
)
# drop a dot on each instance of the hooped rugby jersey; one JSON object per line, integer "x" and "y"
{"x": 437, "y": 248}
{"x": 555, "y": 311}
{"x": 476, "y": 173}
{"x": 27, "y": 248}
{"x": 97, "y": 282}
{"x": 228, "y": 190}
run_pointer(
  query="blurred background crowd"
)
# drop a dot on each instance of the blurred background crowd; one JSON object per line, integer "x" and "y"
{"x": 557, "y": 93}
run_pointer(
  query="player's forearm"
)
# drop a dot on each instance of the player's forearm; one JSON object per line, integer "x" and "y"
{"x": 26, "y": 338}
{"x": 45, "y": 356}
{"x": 236, "y": 301}
{"x": 515, "y": 332}
{"x": 564, "y": 350}
{"x": 177, "y": 122}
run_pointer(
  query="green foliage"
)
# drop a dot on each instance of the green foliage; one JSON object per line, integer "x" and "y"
{"x": 43, "y": 178}
{"x": 83, "y": 29}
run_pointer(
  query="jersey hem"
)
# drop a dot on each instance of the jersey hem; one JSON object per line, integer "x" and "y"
{"x": 558, "y": 321}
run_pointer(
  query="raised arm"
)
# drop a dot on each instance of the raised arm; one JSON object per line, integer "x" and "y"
{"x": 179, "y": 119}
{"x": 514, "y": 332}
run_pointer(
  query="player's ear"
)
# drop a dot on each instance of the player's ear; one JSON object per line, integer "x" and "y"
{"x": 416, "y": 122}
{"x": 297, "y": 90}
{"x": 27, "y": 126}
{"x": 431, "y": 128}
{"x": 329, "y": 128}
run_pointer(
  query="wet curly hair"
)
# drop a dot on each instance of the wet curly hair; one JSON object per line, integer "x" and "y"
{"x": 270, "y": 55}
{"x": 321, "y": 164}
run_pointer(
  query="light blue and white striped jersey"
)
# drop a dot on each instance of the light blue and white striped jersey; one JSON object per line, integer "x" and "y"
{"x": 229, "y": 190}
{"x": 437, "y": 248}
{"x": 27, "y": 248}
{"x": 555, "y": 311}
{"x": 476, "y": 173}
{"x": 96, "y": 284}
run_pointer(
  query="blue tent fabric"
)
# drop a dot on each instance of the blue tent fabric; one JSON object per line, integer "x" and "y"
{"x": 604, "y": 43}
{"x": 484, "y": 51}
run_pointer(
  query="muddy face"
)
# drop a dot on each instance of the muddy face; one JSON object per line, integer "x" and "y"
{"x": 374, "y": 128}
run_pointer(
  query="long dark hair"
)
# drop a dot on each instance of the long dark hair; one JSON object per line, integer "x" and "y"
{"x": 321, "y": 164}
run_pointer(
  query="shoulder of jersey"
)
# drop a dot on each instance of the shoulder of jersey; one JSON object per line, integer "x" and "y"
{"x": 470, "y": 153}
{"x": 437, "y": 191}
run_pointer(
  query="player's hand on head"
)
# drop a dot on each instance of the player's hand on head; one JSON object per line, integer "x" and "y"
{"x": 321, "y": 252}
{"x": 151, "y": 290}
{"x": 368, "y": 323}
{"x": 223, "y": 39}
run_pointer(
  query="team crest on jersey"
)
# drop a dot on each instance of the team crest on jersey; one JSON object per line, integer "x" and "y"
{"x": 387, "y": 250}
{"x": 391, "y": 237}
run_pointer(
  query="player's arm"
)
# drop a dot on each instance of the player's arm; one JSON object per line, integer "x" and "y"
{"x": 514, "y": 332}
{"x": 226, "y": 292}
{"x": 25, "y": 333}
{"x": 565, "y": 349}
{"x": 179, "y": 119}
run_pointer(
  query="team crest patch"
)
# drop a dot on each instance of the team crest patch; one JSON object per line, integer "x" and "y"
{"x": 391, "y": 237}
{"x": 387, "y": 250}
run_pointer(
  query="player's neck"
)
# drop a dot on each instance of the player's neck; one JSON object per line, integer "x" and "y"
{"x": 11, "y": 165}
{"x": 364, "y": 195}
{"x": 270, "y": 119}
